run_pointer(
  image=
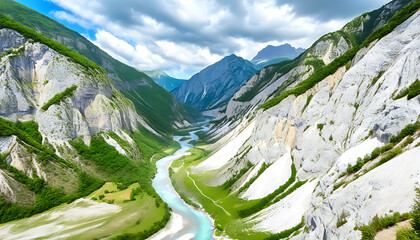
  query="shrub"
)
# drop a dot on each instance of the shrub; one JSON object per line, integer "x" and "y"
{"x": 356, "y": 167}
{"x": 390, "y": 155}
{"x": 101, "y": 196}
{"x": 342, "y": 219}
{"x": 379, "y": 223}
{"x": 406, "y": 234}
{"x": 410, "y": 129}
{"x": 368, "y": 233}
{"x": 320, "y": 126}
{"x": 412, "y": 91}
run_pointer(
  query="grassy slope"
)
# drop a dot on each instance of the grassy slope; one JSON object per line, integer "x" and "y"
{"x": 159, "y": 108}
{"x": 230, "y": 223}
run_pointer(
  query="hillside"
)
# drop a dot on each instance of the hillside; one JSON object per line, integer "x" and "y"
{"x": 157, "y": 106}
{"x": 332, "y": 155}
{"x": 65, "y": 130}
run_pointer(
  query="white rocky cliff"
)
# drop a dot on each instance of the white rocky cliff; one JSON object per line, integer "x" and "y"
{"x": 343, "y": 117}
{"x": 31, "y": 74}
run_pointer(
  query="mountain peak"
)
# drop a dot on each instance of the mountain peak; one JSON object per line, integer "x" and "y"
{"x": 282, "y": 51}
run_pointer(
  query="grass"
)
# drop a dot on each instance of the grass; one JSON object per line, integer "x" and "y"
{"x": 232, "y": 224}
{"x": 135, "y": 217}
{"x": 379, "y": 223}
{"x": 412, "y": 91}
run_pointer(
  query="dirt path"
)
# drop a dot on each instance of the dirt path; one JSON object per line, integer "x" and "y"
{"x": 390, "y": 233}
{"x": 195, "y": 184}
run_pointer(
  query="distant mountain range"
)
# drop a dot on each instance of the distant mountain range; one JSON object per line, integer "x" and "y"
{"x": 164, "y": 80}
{"x": 216, "y": 84}
{"x": 272, "y": 52}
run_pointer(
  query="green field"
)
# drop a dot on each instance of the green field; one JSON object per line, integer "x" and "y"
{"x": 222, "y": 206}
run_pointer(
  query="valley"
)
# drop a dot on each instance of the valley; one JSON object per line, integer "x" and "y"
{"x": 321, "y": 142}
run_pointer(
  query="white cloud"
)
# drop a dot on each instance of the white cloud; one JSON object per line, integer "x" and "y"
{"x": 187, "y": 35}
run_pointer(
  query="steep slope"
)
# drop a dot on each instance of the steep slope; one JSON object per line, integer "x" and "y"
{"x": 70, "y": 130}
{"x": 215, "y": 85}
{"x": 158, "y": 107}
{"x": 164, "y": 80}
{"x": 275, "y": 54}
{"x": 321, "y": 162}
{"x": 272, "y": 80}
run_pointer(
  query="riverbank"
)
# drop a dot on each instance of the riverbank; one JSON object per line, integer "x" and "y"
{"x": 195, "y": 224}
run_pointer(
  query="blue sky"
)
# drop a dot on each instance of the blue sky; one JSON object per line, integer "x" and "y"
{"x": 183, "y": 36}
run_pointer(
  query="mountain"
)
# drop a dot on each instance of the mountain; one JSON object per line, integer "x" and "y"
{"x": 277, "y": 52}
{"x": 274, "y": 79}
{"x": 216, "y": 84}
{"x": 157, "y": 106}
{"x": 66, "y": 130}
{"x": 164, "y": 80}
{"x": 325, "y": 146}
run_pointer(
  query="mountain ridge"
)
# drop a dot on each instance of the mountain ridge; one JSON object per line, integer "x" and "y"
{"x": 164, "y": 80}
{"x": 215, "y": 84}
{"x": 281, "y": 51}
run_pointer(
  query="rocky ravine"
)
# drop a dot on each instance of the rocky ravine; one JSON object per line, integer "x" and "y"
{"x": 343, "y": 117}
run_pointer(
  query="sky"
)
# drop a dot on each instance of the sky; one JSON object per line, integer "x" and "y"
{"x": 182, "y": 37}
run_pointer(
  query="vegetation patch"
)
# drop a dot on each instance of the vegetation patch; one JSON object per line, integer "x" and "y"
{"x": 286, "y": 233}
{"x": 379, "y": 223}
{"x": 308, "y": 100}
{"x": 46, "y": 197}
{"x": 264, "y": 202}
{"x": 59, "y": 97}
{"x": 412, "y": 91}
{"x": 390, "y": 149}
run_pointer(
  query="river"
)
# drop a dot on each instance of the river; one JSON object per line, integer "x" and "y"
{"x": 190, "y": 223}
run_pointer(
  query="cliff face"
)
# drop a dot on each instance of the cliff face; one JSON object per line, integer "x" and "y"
{"x": 321, "y": 133}
{"x": 32, "y": 74}
{"x": 156, "y": 105}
